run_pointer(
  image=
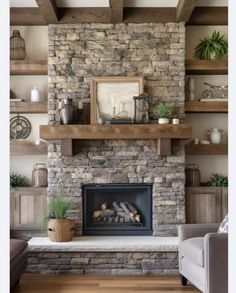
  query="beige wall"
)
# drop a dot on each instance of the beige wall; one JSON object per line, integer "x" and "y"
{"x": 201, "y": 122}
{"x": 36, "y": 42}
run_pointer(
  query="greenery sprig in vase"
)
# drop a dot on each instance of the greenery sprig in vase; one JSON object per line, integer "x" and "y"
{"x": 212, "y": 47}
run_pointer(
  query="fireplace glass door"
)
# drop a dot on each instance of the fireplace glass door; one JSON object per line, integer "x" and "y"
{"x": 117, "y": 209}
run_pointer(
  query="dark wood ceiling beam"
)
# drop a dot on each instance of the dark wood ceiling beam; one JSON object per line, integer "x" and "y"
{"x": 209, "y": 16}
{"x": 78, "y": 15}
{"x": 116, "y": 10}
{"x": 150, "y": 14}
{"x": 48, "y": 9}
{"x": 184, "y": 10}
{"x": 200, "y": 15}
{"x": 26, "y": 16}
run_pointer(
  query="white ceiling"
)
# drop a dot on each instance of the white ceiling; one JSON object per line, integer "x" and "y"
{"x": 127, "y": 3}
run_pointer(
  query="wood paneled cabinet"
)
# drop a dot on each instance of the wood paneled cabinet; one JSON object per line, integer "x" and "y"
{"x": 206, "y": 204}
{"x": 28, "y": 208}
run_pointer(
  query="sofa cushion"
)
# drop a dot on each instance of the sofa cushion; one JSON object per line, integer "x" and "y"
{"x": 17, "y": 247}
{"x": 224, "y": 225}
{"x": 193, "y": 250}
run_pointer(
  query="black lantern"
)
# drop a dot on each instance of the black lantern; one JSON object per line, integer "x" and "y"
{"x": 141, "y": 109}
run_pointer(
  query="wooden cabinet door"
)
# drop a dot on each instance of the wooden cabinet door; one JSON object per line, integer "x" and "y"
{"x": 224, "y": 202}
{"x": 28, "y": 208}
{"x": 203, "y": 205}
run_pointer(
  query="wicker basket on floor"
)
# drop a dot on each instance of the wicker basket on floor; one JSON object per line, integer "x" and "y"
{"x": 61, "y": 230}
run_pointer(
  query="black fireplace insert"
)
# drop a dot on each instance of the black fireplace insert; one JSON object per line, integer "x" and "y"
{"x": 117, "y": 209}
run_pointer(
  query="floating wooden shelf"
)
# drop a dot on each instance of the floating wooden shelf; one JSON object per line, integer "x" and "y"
{"x": 28, "y": 107}
{"x": 205, "y": 67}
{"x": 206, "y": 107}
{"x": 29, "y": 67}
{"x": 206, "y": 149}
{"x": 162, "y": 133}
{"x": 18, "y": 147}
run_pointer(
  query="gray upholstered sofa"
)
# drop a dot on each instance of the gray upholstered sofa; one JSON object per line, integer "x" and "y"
{"x": 203, "y": 257}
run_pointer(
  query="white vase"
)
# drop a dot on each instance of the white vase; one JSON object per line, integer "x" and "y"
{"x": 215, "y": 135}
{"x": 35, "y": 95}
{"x": 191, "y": 87}
{"x": 163, "y": 120}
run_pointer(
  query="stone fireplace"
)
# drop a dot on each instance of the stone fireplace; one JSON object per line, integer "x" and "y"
{"x": 155, "y": 51}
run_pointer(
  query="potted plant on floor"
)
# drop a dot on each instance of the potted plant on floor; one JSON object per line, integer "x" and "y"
{"x": 60, "y": 227}
{"x": 212, "y": 47}
{"x": 164, "y": 112}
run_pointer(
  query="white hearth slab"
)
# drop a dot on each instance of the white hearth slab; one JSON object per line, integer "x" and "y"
{"x": 106, "y": 244}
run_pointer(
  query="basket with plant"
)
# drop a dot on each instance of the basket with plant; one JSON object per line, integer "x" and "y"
{"x": 60, "y": 227}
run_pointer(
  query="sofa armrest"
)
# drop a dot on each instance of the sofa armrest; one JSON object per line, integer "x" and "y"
{"x": 216, "y": 262}
{"x": 187, "y": 231}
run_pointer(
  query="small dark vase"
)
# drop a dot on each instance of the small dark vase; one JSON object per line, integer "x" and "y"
{"x": 67, "y": 112}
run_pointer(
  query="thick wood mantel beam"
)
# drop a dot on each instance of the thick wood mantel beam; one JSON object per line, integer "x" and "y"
{"x": 116, "y": 10}
{"x": 185, "y": 9}
{"x": 48, "y": 8}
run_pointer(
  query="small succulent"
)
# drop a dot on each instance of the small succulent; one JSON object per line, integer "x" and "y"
{"x": 164, "y": 110}
{"x": 17, "y": 180}
{"x": 217, "y": 180}
{"x": 212, "y": 47}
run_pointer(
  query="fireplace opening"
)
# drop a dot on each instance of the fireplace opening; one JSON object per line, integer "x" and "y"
{"x": 117, "y": 209}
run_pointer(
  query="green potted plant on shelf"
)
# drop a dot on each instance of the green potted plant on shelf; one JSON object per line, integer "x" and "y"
{"x": 60, "y": 227}
{"x": 17, "y": 180}
{"x": 164, "y": 112}
{"x": 217, "y": 180}
{"x": 212, "y": 47}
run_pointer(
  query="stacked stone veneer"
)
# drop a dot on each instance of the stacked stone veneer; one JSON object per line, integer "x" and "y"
{"x": 156, "y": 51}
{"x": 110, "y": 263}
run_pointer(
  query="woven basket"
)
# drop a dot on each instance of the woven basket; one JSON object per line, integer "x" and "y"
{"x": 61, "y": 230}
{"x": 17, "y": 46}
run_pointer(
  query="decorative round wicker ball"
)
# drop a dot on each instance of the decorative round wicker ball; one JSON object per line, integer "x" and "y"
{"x": 17, "y": 46}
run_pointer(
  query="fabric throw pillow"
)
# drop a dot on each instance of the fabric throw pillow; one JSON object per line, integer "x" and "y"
{"x": 224, "y": 225}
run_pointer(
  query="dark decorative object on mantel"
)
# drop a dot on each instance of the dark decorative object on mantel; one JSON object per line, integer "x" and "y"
{"x": 17, "y": 46}
{"x": 68, "y": 112}
{"x": 20, "y": 127}
{"x": 141, "y": 109}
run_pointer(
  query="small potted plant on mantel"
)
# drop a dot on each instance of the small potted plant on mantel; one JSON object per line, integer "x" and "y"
{"x": 60, "y": 227}
{"x": 164, "y": 112}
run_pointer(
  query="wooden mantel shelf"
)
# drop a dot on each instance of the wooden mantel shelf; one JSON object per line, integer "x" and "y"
{"x": 163, "y": 134}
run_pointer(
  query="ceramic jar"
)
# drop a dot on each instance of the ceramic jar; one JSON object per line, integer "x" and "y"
{"x": 35, "y": 95}
{"x": 215, "y": 135}
{"x": 163, "y": 121}
{"x": 67, "y": 112}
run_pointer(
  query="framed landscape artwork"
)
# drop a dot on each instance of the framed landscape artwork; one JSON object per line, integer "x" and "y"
{"x": 112, "y": 97}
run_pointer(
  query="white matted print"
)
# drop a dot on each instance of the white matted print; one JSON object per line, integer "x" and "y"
{"x": 112, "y": 97}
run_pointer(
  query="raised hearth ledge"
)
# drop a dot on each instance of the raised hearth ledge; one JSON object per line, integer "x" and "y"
{"x": 106, "y": 244}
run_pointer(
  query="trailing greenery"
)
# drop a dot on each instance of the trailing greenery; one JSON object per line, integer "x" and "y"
{"x": 59, "y": 207}
{"x": 17, "y": 180}
{"x": 217, "y": 180}
{"x": 164, "y": 110}
{"x": 212, "y": 47}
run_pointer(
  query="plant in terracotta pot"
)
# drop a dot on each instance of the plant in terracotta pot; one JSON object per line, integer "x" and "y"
{"x": 60, "y": 227}
{"x": 164, "y": 112}
{"x": 212, "y": 47}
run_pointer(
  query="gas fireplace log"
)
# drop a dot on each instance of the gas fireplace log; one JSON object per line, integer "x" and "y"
{"x": 104, "y": 206}
{"x": 126, "y": 209}
{"x": 137, "y": 218}
{"x": 103, "y": 213}
{"x": 131, "y": 207}
{"x": 116, "y": 207}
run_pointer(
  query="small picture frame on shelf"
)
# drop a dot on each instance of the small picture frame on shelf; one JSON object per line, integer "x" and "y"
{"x": 112, "y": 98}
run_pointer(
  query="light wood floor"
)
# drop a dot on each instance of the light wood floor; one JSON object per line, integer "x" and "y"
{"x": 105, "y": 284}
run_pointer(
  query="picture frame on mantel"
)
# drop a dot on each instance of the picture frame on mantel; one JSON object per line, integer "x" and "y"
{"x": 112, "y": 98}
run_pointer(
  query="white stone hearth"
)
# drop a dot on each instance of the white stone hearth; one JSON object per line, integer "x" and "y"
{"x": 106, "y": 244}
